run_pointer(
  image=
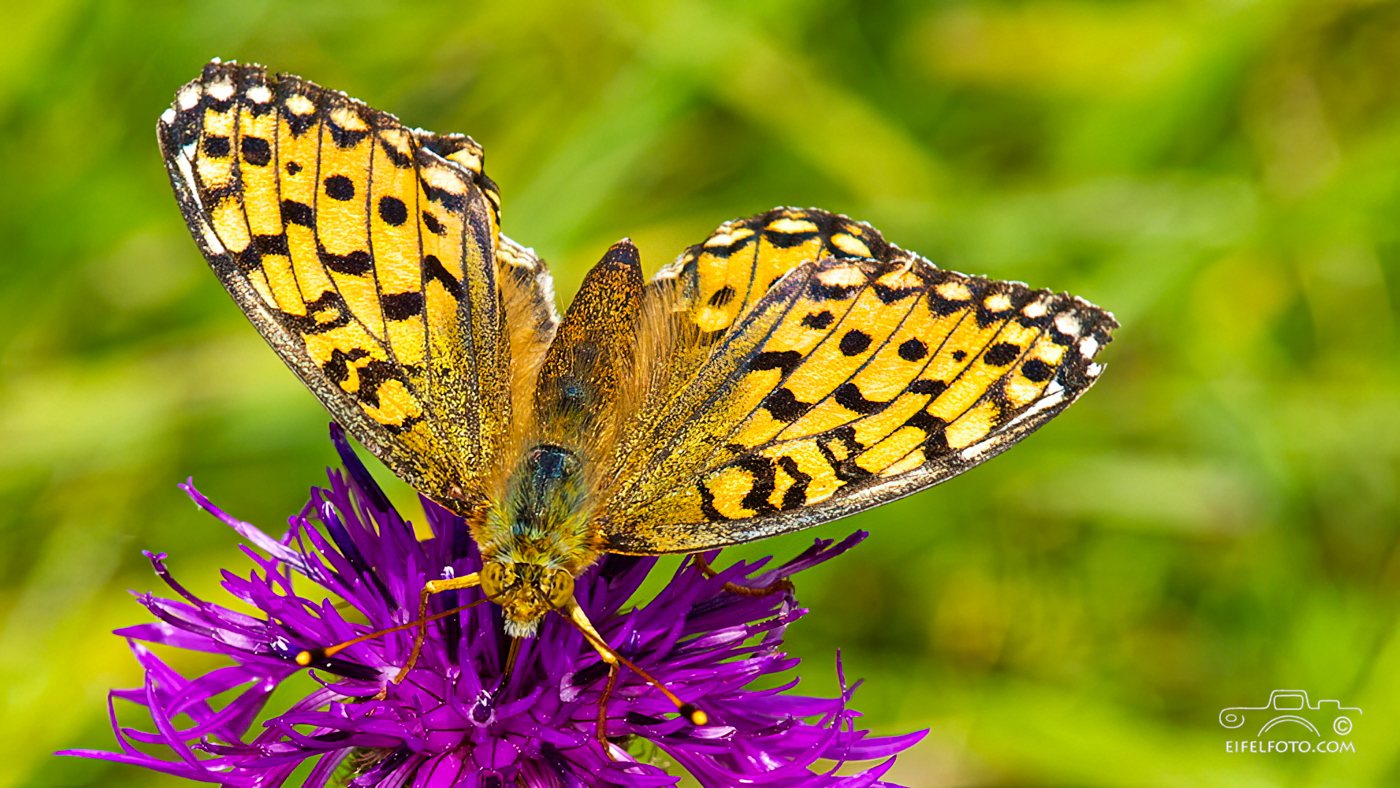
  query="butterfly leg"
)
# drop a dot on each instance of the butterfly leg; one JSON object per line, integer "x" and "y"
{"x": 775, "y": 587}
{"x": 575, "y": 616}
{"x": 602, "y": 729}
{"x": 581, "y": 622}
{"x": 421, "y": 633}
{"x": 512, "y": 654}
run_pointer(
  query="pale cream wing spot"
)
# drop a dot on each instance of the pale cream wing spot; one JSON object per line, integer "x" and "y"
{"x": 260, "y": 284}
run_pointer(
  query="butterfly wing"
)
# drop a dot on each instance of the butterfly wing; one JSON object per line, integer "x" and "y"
{"x": 823, "y": 371}
{"x": 369, "y": 257}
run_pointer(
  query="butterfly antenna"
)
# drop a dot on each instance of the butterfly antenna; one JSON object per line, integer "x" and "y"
{"x": 312, "y": 656}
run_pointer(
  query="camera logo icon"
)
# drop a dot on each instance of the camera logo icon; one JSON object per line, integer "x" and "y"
{"x": 1291, "y": 708}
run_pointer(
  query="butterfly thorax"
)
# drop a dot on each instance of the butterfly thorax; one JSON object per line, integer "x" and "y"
{"x": 536, "y": 538}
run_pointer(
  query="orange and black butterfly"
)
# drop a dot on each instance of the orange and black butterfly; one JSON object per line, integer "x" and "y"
{"x": 792, "y": 368}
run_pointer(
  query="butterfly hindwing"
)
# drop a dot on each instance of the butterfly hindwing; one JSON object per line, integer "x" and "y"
{"x": 369, "y": 256}
{"x": 861, "y": 374}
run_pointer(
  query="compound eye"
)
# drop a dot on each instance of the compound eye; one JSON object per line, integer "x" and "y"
{"x": 559, "y": 588}
{"x": 495, "y": 578}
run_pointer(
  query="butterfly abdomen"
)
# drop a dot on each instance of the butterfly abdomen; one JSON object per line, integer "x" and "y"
{"x": 577, "y": 394}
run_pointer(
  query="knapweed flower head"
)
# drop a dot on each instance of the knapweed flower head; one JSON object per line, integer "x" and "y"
{"x": 349, "y": 564}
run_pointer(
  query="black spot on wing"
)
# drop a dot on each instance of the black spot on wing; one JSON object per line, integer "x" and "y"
{"x": 407, "y": 424}
{"x": 849, "y": 396}
{"x": 298, "y": 124}
{"x": 433, "y": 270}
{"x": 392, "y": 210}
{"x": 707, "y": 505}
{"x": 784, "y": 405}
{"x": 819, "y": 291}
{"x": 928, "y": 386}
{"x": 293, "y": 168}
{"x": 1040, "y": 321}
{"x": 889, "y": 295}
{"x": 730, "y": 249}
{"x": 250, "y": 259}
{"x": 936, "y": 442}
{"x": 375, "y": 374}
{"x": 431, "y": 222}
{"x": 337, "y": 368}
{"x": 1001, "y": 354}
{"x": 216, "y": 147}
{"x": 452, "y": 203}
{"x": 818, "y": 320}
{"x": 258, "y": 110}
{"x": 356, "y": 263}
{"x": 1059, "y": 337}
{"x": 186, "y": 128}
{"x": 786, "y": 360}
{"x": 327, "y": 312}
{"x": 796, "y": 494}
{"x": 343, "y": 137}
{"x": 912, "y": 350}
{"x": 272, "y": 244}
{"x": 762, "y": 473}
{"x": 402, "y": 306}
{"x": 339, "y": 187}
{"x": 1016, "y": 298}
{"x": 213, "y": 197}
{"x": 394, "y": 155}
{"x": 840, "y": 448}
{"x": 784, "y": 240}
{"x": 923, "y": 420}
{"x": 1037, "y": 371}
{"x": 256, "y": 151}
{"x": 941, "y": 305}
{"x": 854, "y": 342}
{"x": 220, "y": 105}
{"x": 294, "y": 212}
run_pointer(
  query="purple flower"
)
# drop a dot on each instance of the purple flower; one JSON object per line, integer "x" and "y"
{"x": 349, "y": 558}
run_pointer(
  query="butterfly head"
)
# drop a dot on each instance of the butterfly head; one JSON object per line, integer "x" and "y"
{"x": 526, "y": 591}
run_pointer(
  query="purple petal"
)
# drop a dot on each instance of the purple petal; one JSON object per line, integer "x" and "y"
{"x": 357, "y": 470}
{"x": 263, "y": 542}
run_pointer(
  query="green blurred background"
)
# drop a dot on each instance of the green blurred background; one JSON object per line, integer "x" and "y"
{"x": 1216, "y": 519}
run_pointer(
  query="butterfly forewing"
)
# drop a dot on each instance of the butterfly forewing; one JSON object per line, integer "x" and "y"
{"x": 368, "y": 255}
{"x": 855, "y": 379}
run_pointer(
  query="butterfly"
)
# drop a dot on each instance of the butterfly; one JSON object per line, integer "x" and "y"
{"x": 792, "y": 368}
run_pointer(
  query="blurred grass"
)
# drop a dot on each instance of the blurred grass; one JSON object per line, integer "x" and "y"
{"x": 1218, "y": 518}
